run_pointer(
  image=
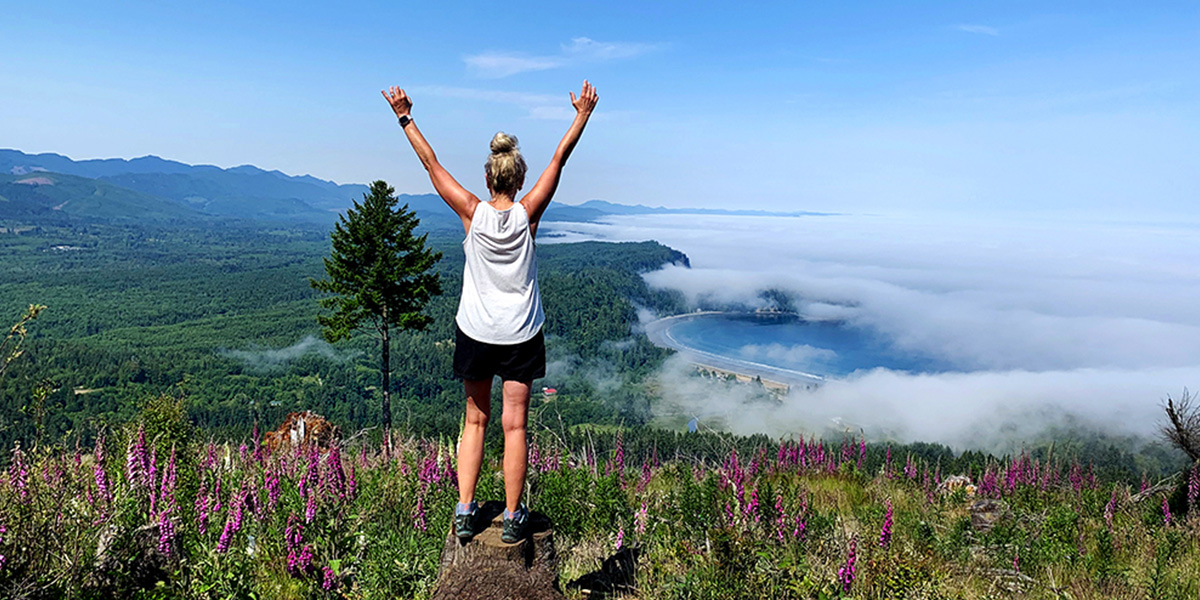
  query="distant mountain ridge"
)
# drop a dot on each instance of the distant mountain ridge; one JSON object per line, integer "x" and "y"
{"x": 245, "y": 191}
{"x": 165, "y": 189}
{"x": 611, "y": 208}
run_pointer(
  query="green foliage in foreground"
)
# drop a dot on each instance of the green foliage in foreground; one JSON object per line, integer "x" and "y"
{"x": 152, "y": 513}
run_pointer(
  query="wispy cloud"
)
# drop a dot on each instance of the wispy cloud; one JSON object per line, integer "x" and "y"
{"x": 978, "y": 29}
{"x": 539, "y": 106}
{"x": 496, "y": 64}
{"x": 522, "y": 99}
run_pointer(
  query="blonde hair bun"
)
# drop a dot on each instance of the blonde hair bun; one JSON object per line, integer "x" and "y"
{"x": 502, "y": 142}
{"x": 505, "y": 167}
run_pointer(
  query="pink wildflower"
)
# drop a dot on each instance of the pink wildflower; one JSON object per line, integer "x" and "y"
{"x": 18, "y": 475}
{"x": 846, "y": 573}
{"x": 419, "y": 515}
{"x": 310, "y": 508}
{"x": 639, "y": 520}
{"x": 885, "y": 534}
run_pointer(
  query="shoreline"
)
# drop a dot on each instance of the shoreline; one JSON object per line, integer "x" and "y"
{"x": 658, "y": 332}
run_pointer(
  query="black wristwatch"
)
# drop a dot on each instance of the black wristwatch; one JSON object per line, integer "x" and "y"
{"x": 405, "y": 120}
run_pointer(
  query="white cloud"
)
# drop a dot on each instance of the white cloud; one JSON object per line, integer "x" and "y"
{"x": 539, "y": 106}
{"x": 796, "y": 354}
{"x": 496, "y": 65}
{"x": 518, "y": 98}
{"x": 978, "y": 29}
{"x": 1042, "y": 320}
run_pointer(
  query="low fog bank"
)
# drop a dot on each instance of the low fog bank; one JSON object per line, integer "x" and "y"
{"x": 270, "y": 359}
{"x": 1047, "y": 323}
{"x": 995, "y": 411}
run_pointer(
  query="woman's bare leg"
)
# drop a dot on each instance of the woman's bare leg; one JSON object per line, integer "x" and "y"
{"x": 470, "y": 447}
{"x": 516, "y": 413}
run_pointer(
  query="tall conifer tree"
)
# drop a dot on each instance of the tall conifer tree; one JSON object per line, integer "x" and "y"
{"x": 381, "y": 275}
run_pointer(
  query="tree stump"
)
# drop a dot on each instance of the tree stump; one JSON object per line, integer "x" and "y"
{"x": 486, "y": 568}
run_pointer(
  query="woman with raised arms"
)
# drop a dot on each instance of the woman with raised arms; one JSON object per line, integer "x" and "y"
{"x": 499, "y": 322}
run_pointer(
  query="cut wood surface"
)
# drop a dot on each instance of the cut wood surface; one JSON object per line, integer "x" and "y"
{"x": 484, "y": 567}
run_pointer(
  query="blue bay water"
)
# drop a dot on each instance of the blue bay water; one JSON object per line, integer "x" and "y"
{"x": 828, "y": 349}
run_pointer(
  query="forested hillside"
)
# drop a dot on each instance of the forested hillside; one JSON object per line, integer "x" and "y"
{"x": 226, "y": 316}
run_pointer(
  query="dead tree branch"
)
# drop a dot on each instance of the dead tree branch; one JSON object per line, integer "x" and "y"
{"x": 1183, "y": 425}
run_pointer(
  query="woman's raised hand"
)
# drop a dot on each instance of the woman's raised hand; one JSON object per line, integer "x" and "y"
{"x": 400, "y": 102}
{"x": 586, "y": 100}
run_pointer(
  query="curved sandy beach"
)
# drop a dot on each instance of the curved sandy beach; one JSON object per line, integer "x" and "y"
{"x": 659, "y": 332}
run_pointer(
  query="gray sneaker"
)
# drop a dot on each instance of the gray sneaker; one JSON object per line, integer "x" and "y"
{"x": 514, "y": 525}
{"x": 464, "y": 520}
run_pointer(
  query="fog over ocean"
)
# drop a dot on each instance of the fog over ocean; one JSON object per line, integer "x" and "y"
{"x": 1030, "y": 322}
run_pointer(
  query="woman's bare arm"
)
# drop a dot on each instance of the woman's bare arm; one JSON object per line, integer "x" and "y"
{"x": 456, "y": 196}
{"x": 538, "y": 198}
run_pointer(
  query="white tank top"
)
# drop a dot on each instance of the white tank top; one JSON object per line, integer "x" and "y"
{"x": 500, "y": 301}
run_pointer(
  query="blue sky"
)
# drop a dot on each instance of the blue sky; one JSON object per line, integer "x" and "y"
{"x": 1066, "y": 108}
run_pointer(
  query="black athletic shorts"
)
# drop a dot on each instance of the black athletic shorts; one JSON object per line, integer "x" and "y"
{"x": 475, "y": 360}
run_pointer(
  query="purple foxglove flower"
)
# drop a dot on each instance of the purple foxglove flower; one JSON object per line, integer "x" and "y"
{"x": 1076, "y": 477}
{"x": 639, "y": 520}
{"x": 1166, "y": 510}
{"x": 780, "y": 517}
{"x": 335, "y": 477}
{"x": 293, "y": 533}
{"x": 202, "y": 513}
{"x": 752, "y": 506}
{"x": 166, "y": 533}
{"x": 216, "y": 508}
{"x": 312, "y": 477}
{"x": 18, "y": 475}
{"x": 885, "y": 534}
{"x": 846, "y": 573}
{"x": 800, "y": 527}
{"x": 226, "y": 536}
{"x": 329, "y": 580}
{"x": 419, "y": 514}
{"x": 645, "y": 480}
{"x": 620, "y": 536}
{"x": 310, "y": 508}
{"x": 271, "y": 484}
